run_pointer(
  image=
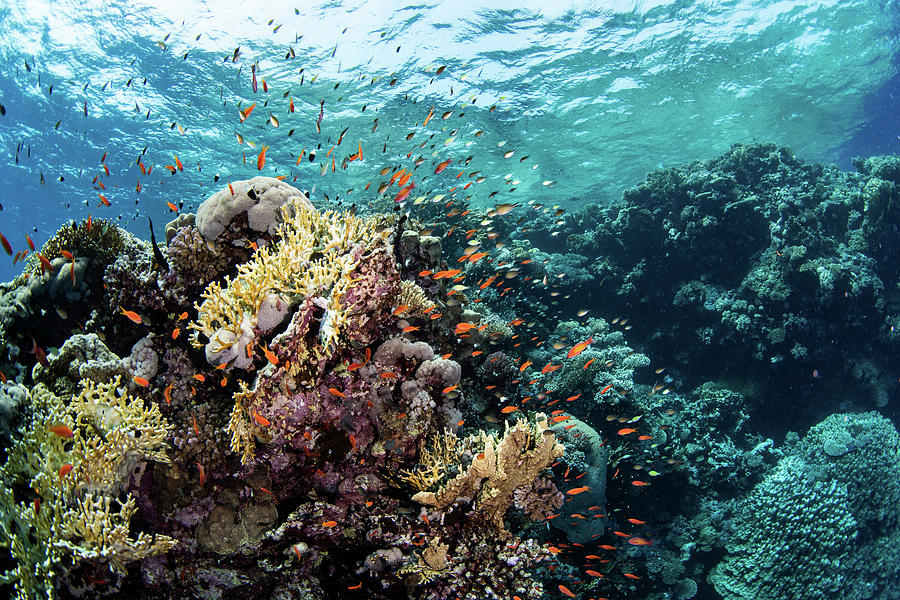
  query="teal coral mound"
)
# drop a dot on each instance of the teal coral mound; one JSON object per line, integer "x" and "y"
{"x": 824, "y": 522}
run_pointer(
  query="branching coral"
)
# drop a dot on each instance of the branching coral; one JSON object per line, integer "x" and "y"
{"x": 312, "y": 254}
{"x": 434, "y": 461}
{"x": 500, "y": 468}
{"x": 75, "y": 458}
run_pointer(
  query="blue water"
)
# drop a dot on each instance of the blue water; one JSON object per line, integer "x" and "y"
{"x": 593, "y": 94}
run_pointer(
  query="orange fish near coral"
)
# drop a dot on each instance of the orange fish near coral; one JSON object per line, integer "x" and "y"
{"x": 261, "y": 420}
{"x": 141, "y": 381}
{"x": 261, "y": 159}
{"x": 132, "y": 316}
{"x": 566, "y": 591}
{"x": 61, "y": 431}
{"x": 578, "y": 490}
{"x": 65, "y": 470}
{"x": 508, "y": 409}
{"x": 336, "y": 392}
{"x": 579, "y": 347}
{"x": 639, "y": 541}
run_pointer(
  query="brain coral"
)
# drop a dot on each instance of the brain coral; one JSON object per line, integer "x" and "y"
{"x": 260, "y": 197}
{"x": 823, "y": 523}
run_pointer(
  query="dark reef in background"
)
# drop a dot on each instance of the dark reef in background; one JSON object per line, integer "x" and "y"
{"x": 760, "y": 271}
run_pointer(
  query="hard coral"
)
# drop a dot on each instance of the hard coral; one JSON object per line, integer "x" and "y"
{"x": 259, "y": 198}
{"x": 500, "y": 468}
{"x": 315, "y": 251}
{"x": 76, "y": 457}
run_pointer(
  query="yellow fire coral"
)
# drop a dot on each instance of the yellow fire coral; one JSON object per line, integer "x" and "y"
{"x": 314, "y": 250}
{"x": 76, "y": 458}
{"x": 499, "y": 468}
{"x": 434, "y": 461}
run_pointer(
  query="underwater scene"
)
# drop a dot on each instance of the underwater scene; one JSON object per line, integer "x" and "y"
{"x": 450, "y": 300}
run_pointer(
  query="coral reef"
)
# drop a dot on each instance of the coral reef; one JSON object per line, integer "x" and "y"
{"x": 60, "y": 502}
{"x": 755, "y": 262}
{"x": 819, "y": 524}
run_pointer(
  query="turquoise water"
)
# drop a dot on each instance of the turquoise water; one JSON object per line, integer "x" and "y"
{"x": 594, "y": 95}
{"x": 624, "y": 324}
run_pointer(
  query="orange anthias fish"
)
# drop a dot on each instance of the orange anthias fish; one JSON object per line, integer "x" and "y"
{"x": 65, "y": 470}
{"x": 261, "y": 420}
{"x": 566, "y": 591}
{"x": 132, "y": 316}
{"x": 270, "y": 356}
{"x": 579, "y": 347}
{"x": 336, "y": 392}
{"x": 464, "y": 327}
{"x": 61, "y": 431}
{"x": 440, "y": 168}
{"x": 246, "y": 112}
{"x": 578, "y": 490}
{"x": 626, "y": 431}
{"x": 178, "y": 164}
{"x": 261, "y": 159}
{"x": 639, "y": 541}
{"x": 508, "y": 409}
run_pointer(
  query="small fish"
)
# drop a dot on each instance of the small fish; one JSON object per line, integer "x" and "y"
{"x": 400, "y": 310}
{"x": 410, "y": 329}
{"x": 637, "y": 522}
{"x": 626, "y": 431}
{"x": 578, "y": 490}
{"x": 132, "y": 316}
{"x": 579, "y": 347}
{"x": 336, "y": 392}
{"x": 141, "y": 381}
{"x": 261, "y": 420}
{"x": 246, "y": 112}
{"x": 639, "y": 541}
{"x": 178, "y": 164}
{"x": 443, "y": 165}
{"x": 630, "y": 575}
{"x": 508, "y": 409}
{"x": 449, "y": 389}
{"x": 593, "y": 573}
{"x": 639, "y": 483}
{"x": 65, "y": 470}
{"x": 566, "y": 591}
{"x": 329, "y": 524}
{"x": 167, "y": 393}
{"x": 261, "y": 159}
{"x": 270, "y": 356}
{"x": 61, "y": 430}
